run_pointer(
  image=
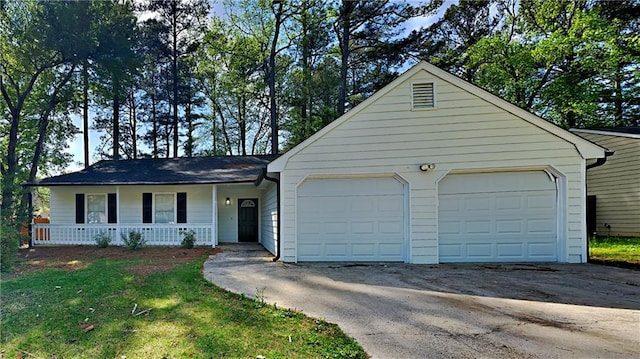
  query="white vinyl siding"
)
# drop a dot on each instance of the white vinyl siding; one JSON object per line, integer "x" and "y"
{"x": 616, "y": 185}
{"x": 269, "y": 217}
{"x": 464, "y": 132}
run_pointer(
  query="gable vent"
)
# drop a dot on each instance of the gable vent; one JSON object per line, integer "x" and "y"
{"x": 422, "y": 95}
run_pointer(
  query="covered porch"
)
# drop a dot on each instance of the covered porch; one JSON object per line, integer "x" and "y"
{"x": 225, "y": 204}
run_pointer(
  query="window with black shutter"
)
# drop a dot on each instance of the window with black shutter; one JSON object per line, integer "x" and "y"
{"x": 112, "y": 208}
{"x": 182, "y": 207}
{"x": 79, "y": 208}
{"x": 147, "y": 208}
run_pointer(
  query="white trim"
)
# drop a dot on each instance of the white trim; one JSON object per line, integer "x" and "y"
{"x": 214, "y": 216}
{"x": 606, "y": 133}
{"x": 585, "y": 148}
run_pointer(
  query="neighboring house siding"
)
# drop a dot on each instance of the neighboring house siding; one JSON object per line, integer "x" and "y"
{"x": 461, "y": 132}
{"x": 269, "y": 217}
{"x": 616, "y": 186}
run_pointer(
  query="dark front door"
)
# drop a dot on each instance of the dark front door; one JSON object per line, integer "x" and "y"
{"x": 248, "y": 220}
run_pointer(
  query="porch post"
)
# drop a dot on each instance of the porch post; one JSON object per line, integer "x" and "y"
{"x": 117, "y": 216}
{"x": 214, "y": 216}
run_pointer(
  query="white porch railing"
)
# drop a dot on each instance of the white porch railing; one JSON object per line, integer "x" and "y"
{"x": 153, "y": 234}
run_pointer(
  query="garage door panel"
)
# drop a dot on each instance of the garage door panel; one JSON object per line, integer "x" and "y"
{"x": 512, "y": 219}
{"x": 334, "y": 227}
{"x": 509, "y": 226}
{"x": 510, "y": 250}
{"x": 360, "y": 220}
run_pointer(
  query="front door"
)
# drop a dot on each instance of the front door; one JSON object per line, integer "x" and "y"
{"x": 248, "y": 220}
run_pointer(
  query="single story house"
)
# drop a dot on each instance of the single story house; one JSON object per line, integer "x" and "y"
{"x": 429, "y": 169}
{"x": 614, "y": 188}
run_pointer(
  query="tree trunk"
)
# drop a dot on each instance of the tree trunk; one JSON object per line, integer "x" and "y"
{"x": 243, "y": 125}
{"x": 272, "y": 79}
{"x": 134, "y": 125}
{"x": 85, "y": 112}
{"x": 154, "y": 120}
{"x": 345, "y": 30}
{"x": 116, "y": 118}
{"x": 174, "y": 74}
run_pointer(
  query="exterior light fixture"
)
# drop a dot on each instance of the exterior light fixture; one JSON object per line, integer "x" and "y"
{"x": 425, "y": 167}
{"x": 227, "y": 201}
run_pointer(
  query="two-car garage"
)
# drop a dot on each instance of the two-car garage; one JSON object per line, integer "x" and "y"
{"x": 433, "y": 169}
{"x": 482, "y": 217}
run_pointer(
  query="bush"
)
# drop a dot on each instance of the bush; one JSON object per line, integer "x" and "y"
{"x": 189, "y": 239}
{"x": 134, "y": 241}
{"x": 9, "y": 243}
{"x": 102, "y": 240}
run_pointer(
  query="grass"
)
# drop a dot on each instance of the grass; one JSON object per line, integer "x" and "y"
{"x": 615, "y": 250}
{"x": 50, "y": 313}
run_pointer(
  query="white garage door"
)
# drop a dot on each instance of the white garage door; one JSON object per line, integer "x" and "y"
{"x": 351, "y": 220}
{"x": 497, "y": 217}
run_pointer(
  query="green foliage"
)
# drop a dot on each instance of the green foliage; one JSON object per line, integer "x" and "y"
{"x": 615, "y": 249}
{"x": 102, "y": 240}
{"x": 9, "y": 243}
{"x": 189, "y": 239}
{"x": 134, "y": 240}
{"x": 189, "y": 317}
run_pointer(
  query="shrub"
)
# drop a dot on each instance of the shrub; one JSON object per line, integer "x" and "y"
{"x": 9, "y": 243}
{"x": 134, "y": 241}
{"x": 189, "y": 239}
{"x": 102, "y": 240}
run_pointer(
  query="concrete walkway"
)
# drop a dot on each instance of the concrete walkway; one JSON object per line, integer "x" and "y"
{"x": 451, "y": 311}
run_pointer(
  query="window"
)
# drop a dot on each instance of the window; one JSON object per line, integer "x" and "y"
{"x": 100, "y": 208}
{"x": 164, "y": 208}
{"x": 422, "y": 96}
{"x": 96, "y": 208}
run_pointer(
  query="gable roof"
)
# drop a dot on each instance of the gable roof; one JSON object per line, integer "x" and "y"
{"x": 585, "y": 148}
{"x": 156, "y": 171}
{"x": 630, "y": 132}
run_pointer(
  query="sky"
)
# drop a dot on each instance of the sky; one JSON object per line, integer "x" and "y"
{"x": 75, "y": 146}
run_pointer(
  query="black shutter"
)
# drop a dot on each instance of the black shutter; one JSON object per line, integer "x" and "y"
{"x": 182, "y": 207}
{"x": 146, "y": 207}
{"x": 79, "y": 208}
{"x": 112, "y": 208}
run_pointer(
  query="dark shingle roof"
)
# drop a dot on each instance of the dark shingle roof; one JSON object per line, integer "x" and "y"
{"x": 194, "y": 170}
{"x": 630, "y": 129}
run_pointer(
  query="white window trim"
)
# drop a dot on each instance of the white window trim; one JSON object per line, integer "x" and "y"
{"x": 175, "y": 207}
{"x": 433, "y": 85}
{"x": 86, "y": 208}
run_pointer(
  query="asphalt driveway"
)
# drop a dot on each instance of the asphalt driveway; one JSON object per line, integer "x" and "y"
{"x": 451, "y": 311}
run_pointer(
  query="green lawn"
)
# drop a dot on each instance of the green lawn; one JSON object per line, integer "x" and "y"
{"x": 615, "y": 250}
{"x": 51, "y": 313}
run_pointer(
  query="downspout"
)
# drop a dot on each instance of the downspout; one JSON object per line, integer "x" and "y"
{"x": 599, "y": 162}
{"x": 277, "y": 182}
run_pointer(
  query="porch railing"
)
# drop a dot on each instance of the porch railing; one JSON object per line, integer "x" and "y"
{"x": 153, "y": 234}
